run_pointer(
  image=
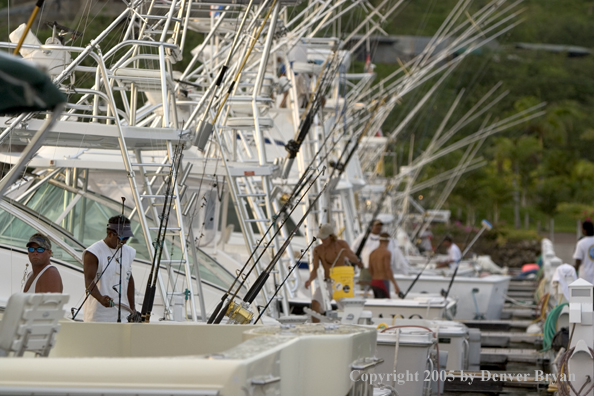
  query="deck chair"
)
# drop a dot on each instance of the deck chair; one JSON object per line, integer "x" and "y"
{"x": 30, "y": 323}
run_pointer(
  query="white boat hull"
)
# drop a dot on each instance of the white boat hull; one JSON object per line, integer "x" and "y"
{"x": 490, "y": 296}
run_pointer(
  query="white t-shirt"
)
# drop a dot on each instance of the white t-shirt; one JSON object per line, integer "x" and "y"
{"x": 398, "y": 263}
{"x": 584, "y": 251}
{"x": 109, "y": 282}
{"x": 454, "y": 254}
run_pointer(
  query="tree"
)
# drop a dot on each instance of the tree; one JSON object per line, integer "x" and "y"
{"x": 550, "y": 192}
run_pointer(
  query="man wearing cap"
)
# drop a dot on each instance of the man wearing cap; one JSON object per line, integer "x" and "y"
{"x": 44, "y": 278}
{"x": 103, "y": 261}
{"x": 331, "y": 252}
{"x": 398, "y": 262}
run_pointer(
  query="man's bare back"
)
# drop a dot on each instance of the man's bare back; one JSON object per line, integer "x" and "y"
{"x": 379, "y": 264}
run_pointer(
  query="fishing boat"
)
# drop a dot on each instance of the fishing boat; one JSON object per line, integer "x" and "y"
{"x": 266, "y": 119}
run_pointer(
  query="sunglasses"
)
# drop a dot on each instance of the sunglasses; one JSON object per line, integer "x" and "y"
{"x": 38, "y": 250}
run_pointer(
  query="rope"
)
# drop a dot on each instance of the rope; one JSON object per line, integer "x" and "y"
{"x": 540, "y": 290}
{"x": 550, "y": 327}
{"x": 564, "y": 385}
{"x": 543, "y": 303}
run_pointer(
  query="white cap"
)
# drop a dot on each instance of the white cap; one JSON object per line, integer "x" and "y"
{"x": 325, "y": 231}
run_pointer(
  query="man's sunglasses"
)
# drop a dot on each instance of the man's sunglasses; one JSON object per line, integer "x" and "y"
{"x": 38, "y": 250}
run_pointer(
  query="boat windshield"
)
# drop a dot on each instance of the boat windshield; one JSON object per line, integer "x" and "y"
{"x": 85, "y": 217}
{"x": 15, "y": 233}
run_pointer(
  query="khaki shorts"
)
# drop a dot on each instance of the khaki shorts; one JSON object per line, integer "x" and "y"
{"x": 317, "y": 296}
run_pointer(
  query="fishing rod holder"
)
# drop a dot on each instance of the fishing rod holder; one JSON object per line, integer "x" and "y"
{"x": 203, "y": 132}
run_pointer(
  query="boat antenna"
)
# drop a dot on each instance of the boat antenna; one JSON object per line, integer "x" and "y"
{"x": 486, "y": 226}
{"x": 284, "y": 280}
{"x": 219, "y": 312}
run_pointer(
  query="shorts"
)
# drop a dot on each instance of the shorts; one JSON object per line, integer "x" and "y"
{"x": 381, "y": 288}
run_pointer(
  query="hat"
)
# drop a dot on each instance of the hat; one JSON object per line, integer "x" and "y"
{"x": 377, "y": 221}
{"x": 325, "y": 231}
{"x": 41, "y": 240}
{"x": 384, "y": 236}
{"x": 122, "y": 228}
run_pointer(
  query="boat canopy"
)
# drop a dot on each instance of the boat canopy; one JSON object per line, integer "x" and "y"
{"x": 25, "y": 88}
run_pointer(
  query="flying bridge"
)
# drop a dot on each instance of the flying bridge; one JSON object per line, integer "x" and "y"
{"x": 84, "y": 158}
{"x": 94, "y": 135}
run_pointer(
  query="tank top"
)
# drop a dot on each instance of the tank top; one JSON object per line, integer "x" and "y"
{"x": 108, "y": 283}
{"x": 34, "y": 284}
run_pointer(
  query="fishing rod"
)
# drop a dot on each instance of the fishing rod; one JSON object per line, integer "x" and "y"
{"x": 285, "y": 280}
{"x": 151, "y": 285}
{"x": 375, "y": 214}
{"x": 38, "y": 6}
{"x": 89, "y": 291}
{"x": 342, "y": 166}
{"x": 219, "y": 312}
{"x": 243, "y": 63}
{"x": 239, "y": 312}
{"x": 403, "y": 295}
{"x": 121, "y": 245}
{"x": 486, "y": 226}
{"x": 204, "y": 128}
{"x": 294, "y": 145}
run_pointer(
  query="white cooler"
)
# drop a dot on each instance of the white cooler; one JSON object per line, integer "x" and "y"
{"x": 414, "y": 350}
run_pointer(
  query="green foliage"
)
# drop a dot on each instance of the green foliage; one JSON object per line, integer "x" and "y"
{"x": 576, "y": 211}
{"x": 544, "y": 167}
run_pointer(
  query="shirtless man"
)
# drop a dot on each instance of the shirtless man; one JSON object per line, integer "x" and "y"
{"x": 45, "y": 278}
{"x": 380, "y": 269}
{"x": 331, "y": 251}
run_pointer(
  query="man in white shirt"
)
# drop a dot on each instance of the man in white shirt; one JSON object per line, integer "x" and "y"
{"x": 584, "y": 253}
{"x": 454, "y": 254}
{"x": 108, "y": 269}
{"x": 399, "y": 263}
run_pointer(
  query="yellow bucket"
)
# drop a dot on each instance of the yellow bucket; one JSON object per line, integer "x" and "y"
{"x": 343, "y": 284}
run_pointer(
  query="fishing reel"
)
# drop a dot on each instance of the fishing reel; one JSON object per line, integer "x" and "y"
{"x": 280, "y": 32}
{"x": 135, "y": 317}
{"x": 239, "y": 313}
